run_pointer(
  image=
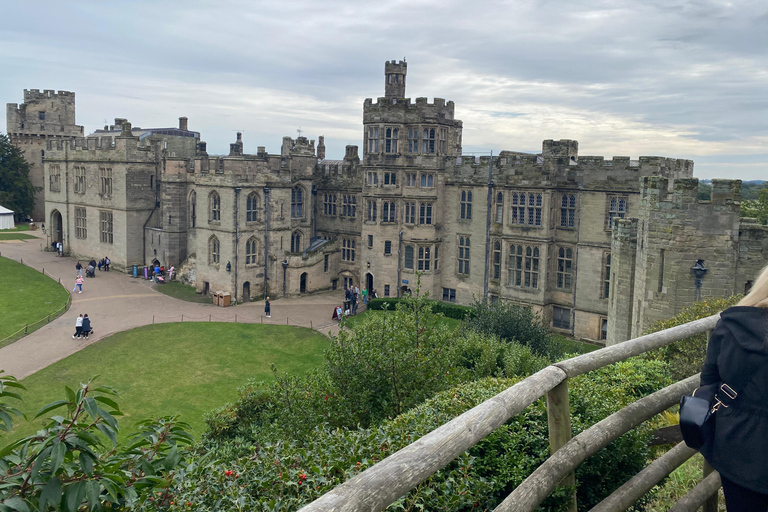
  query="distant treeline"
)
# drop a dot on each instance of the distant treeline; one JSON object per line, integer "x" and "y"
{"x": 749, "y": 189}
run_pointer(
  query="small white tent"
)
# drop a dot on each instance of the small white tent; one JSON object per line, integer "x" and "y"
{"x": 6, "y": 218}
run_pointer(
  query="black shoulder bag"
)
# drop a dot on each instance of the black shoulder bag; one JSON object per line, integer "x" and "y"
{"x": 697, "y": 411}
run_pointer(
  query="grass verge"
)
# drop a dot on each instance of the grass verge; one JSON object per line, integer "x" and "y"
{"x": 28, "y": 297}
{"x": 174, "y": 369}
{"x": 183, "y": 292}
{"x": 11, "y": 235}
{"x": 19, "y": 227}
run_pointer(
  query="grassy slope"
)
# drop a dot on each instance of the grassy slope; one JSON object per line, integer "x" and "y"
{"x": 168, "y": 369}
{"x": 183, "y": 292}
{"x": 27, "y": 296}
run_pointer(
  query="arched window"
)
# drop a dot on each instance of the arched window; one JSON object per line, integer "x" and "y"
{"x": 497, "y": 260}
{"x": 192, "y": 209}
{"x": 251, "y": 254}
{"x": 214, "y": 205}
{"x": 252, "y": 207}
{"x": 296, "y": 241}
{"x": 499, "y": 207}
{"x": 564, "y": 267}
{"x": 297, "y": 202}
{"x": 390, "y": 140}
{"x": 389, "y": 211}
{"x": 214, "y": 251}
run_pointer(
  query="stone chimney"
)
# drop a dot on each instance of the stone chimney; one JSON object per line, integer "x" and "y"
{"x": 183, "y": 123}
{"x": 321, "y": 147}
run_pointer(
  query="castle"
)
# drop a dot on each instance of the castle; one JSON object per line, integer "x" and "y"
{"x": 600, "y": 247}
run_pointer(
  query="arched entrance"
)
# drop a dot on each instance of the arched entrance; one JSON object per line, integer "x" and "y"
{"x": 57, "y": 232}
{"x": 404, "y": 290}
{"x": 303, "y": 283}
{"x": 246, "y": 291}
{"x": 369, "y": 282}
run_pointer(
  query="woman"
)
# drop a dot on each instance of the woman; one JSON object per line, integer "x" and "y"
{"x": 267, "y": 309}
{"x": 86, "y": 326}
{"x": 738, "y": 449}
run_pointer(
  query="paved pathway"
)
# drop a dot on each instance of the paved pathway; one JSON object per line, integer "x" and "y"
{"x": 116, "y": 302}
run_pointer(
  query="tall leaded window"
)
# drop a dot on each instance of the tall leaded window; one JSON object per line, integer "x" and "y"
{"x": 424, "y": 258}
{"x": 251, "y": 254}
{"x": 214, "y": 202}
{"x": 515, "y": 267}
{"x": 428, "y": 140}
{"x": 518, "y": 208}
{"x": 411, "y": 179}
{"x": 442, "y": 142}
{"x": 617, "y": 207}
{"x": 252, "y": 207}
{"x": 54, "y": 177}
{"x": 526, "y": 208}
{"x": 296, "y": 241}
{"x": 463, "y": 257}
{"x": 427, "y": 180}
{"x": 192, "y": 209}
{"x": 297, "y": 202}
{"x": 534, "y": 209}
{"x": 466, "y": 204}
{"x": 390, "y": 140}
{"x": 349, "y": 207}
{"x": 408, "y": 258}
{"x": 373, "y": 140}
{"x": 531, "y": 267}
{"x": 348, "y": 249}
{"x": 105, "y": 177}
{"x": 372, "y": 210}
{"x": 105, "y": 219}
{"x": 329, "y": 204}
{"x": 214, "y": 251}
{"x": 499, "y": 207}
{"x": 79, "y": 185}
{"x": 436, "y": 258}
{"x": 568, "y": 211}
{"x": 413, "y": 140}
{"x": 497, "y": 260}
{"x": 561, "y": 317}
{"x": 410, "y": 212}
{"x": 564, "y": 267}
{"x": 388, "y": 211}
{"x": 607, "y": 277}
{"x": 425, "y": 213}
{"x": 81, "y": 230}
{"x": 390, "y": 178}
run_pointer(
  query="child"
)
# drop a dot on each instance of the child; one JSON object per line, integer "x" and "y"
{"x": 78, "y": 284}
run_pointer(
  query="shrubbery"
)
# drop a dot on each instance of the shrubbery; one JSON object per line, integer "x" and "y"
{"x": 444, "y": 308}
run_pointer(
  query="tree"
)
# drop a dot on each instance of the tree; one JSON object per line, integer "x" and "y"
{"x": 16, "y": 191}
{"x": 757, "y": 208}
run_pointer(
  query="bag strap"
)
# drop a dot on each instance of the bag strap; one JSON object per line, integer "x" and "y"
{"x": 727, "y": 394}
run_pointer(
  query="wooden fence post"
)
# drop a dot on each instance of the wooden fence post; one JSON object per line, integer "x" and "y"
{"x": 711, "y": 504}
{"x": 559, "y": 421}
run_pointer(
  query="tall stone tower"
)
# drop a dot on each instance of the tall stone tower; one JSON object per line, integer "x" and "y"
{"x": 43, "y": 115}
{"x": 394, "y": 76}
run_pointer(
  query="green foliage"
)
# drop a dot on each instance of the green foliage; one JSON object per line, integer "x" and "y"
{"x": 449, "y": 310}
{"x": 705, "y": 191}
{"x": 686, "y": 357}
{"x": 514, "y": 323}
{"x": 68, "y": 466}
{"x": 8, "y": 389}
{"x": 756, "y": 208}
{"x": 16, "y": 191}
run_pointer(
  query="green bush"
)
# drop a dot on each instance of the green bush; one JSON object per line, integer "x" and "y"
{"x": 444, "y": 308}
{"x": 686, "y": 357}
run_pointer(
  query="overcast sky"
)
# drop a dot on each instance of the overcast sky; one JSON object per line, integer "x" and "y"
{"x": 681, "y": 79}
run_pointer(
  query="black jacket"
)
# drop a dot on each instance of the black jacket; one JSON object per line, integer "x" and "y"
{"x": 739, "y": 448}
{"x": 86, "y": 324}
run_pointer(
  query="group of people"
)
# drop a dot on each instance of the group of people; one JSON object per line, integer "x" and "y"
{"x": 82, "y": 327}
{"x": 89, "y": 272}
{"x": 353, "y": 294}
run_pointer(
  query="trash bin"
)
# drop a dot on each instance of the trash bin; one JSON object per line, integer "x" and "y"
{"x": 225, "y": 299}
{"x": 216, "y": 297}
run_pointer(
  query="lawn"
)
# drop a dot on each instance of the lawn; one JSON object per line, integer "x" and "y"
{"x": 19, "y": 227}
{"x": 183, "y": 292}
{"x": 15, "y": 235}
{"x": 186, "y": 369}
{"x": 28, "y": 296}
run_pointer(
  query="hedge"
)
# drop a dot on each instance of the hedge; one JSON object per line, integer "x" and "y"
{"x": 449, "y": 310}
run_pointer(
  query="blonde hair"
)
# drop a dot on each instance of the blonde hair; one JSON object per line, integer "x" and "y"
{"x": 758, "y": 295}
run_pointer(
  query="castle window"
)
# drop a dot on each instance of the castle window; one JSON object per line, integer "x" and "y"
{"x": 41, "y": 116}
{"x": 370, "y": 241}
{"x": 607, "y": 276}
{"x": 564, "y": 268}
{"x": 499, "y": 207}
{"x": 79, "y": 184}
{"x": 515, "y": 268}
{"x": 463, "y": 257}
{"x": 389, "y": 211}
{"x": 105, "y": 219}
{"x": 428, "y": 140}
{"x": 568, "y": 211}
{"x": 252, "y": 207}
{"x": 329, "y": 204}
{"x": 435, "y": 259}
{"x": 390, "y": 178}
{"x": 349, "y": 206}
{"x": 214, "y": 251}
{"x": 408, "y": 259}
{"x": 214, "y": 202}
{"x": 413, "y": 141}
{"x": 410, "y": 213}
{"x": 54, "y": 178}
{"x": 424, "y": 259}
{"x": 617, "y": 207}
{"x": 427, "y": 180}
{"x": 526, "y": 208}
{"x": 497, "y": 260}
{"x": 105, "y": 175}
{"x": 296, "y": 241}
{"x": 373, "y": 179}
{"x": 348, "y": 249}
{"x": 192, "y": 208}
{"x": 251, "y": 254}
{"x": 534, "y": 209}
{"x": 80, "y": 224}
{"x": 297, "y": 203}
{"x": 387, "y": 247}
{"x": 442, "y": 143}
{"x": 373, "y": 140}
{"x": 410, "y": 179}
{"x": 466, "y": 204}
{"x": 449, "y": 294}
{"x": 603, "y": 329}
{"x": 561, "y": 317}
{"x": 386, "y": 290}
{"x": 390, "y": 143}
{"x": 425, "y": 213}
{"x": 325, "y": 266}
{"x": 372, "y": 211}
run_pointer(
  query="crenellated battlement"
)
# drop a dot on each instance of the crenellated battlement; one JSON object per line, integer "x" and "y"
{"x": 406, "y": 105}
{"x": 32, "y": 95}
{"x": 684, "y": 192}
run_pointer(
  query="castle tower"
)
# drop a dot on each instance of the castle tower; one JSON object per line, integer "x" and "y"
{"x": 43, "y": 115}
{"x": 394, "y": 76}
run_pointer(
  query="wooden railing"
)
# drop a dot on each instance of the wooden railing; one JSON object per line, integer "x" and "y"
{"x": 384, "y": 483}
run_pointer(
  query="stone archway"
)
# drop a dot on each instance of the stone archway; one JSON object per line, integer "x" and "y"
{"x": 303, "y": 283}
{"x": 246, "y": 291}
{"x": 57, "y": 227}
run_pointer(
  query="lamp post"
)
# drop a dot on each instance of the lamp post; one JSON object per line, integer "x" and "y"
{"x": 698, "y": 271}
{"x": 285, "y": 269}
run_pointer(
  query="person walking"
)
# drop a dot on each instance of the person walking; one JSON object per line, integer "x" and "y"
{"x": 267, "y": 308}
{"x": 60, "y": 249}
{"x": 106, "y": 263}
{"x": 86, "y": 326}
{"x": 739, "y": 346}
{"x": 365, "y": 295}
{"x": 79, "y": 268}
{"x": 78, "y": 327}
{"x": 101, "y": 264}
{"x": 78, "y": 284}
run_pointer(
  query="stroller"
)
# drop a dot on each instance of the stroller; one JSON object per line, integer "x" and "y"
{"x": 90, "y": 271}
